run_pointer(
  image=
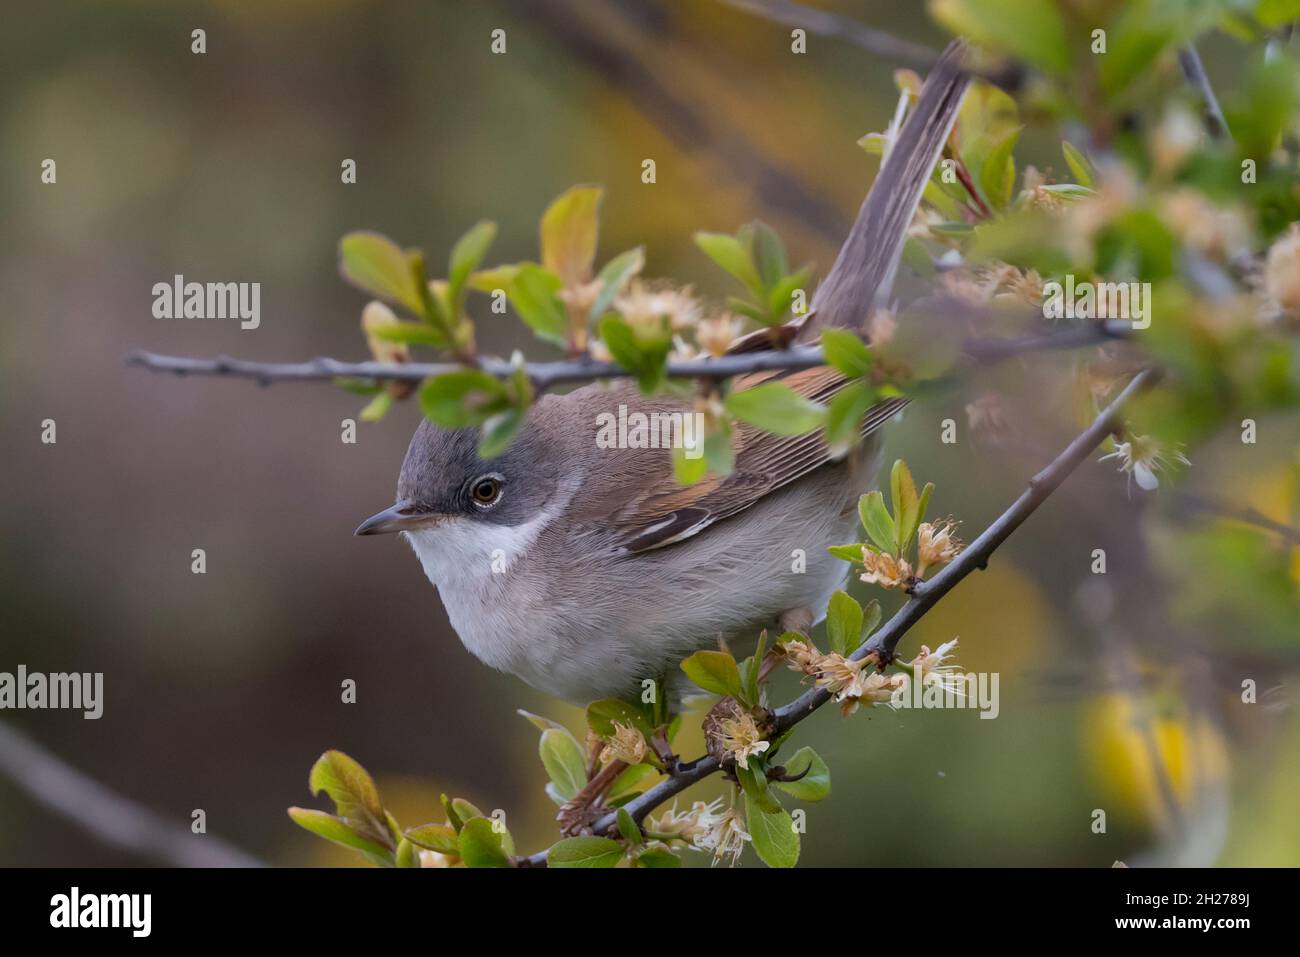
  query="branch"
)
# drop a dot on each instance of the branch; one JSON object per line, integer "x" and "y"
{"x": 924, "y": 596}
{"x": 547, "y": 374}
{"x": 1194, "y": 71}
{"x": 105, "y": 814}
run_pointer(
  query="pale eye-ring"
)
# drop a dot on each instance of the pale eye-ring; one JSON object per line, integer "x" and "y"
{"x": 485, "y": 491}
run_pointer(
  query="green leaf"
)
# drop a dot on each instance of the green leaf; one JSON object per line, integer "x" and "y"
{"x": 877, "y": 521}
{"x": 1080, "y": 167}
{"x": 843, "y": 623}
{"x": 407, "y": 854}
{"x": 465, "y": 257}
{"x": 463, "y": 398}
{"x": 688, "y": 470}
{"x": 753, "y": 781}
{"x": 376, "y": 264}
{"x": 906, "y": 502}
{"x": 533, "y": 290}
{"x": 769, "y": 255}
{"x": 499, "y": 432}
{"x": 849, "y": 553}
{"x": 775, "y": 407}
{"x": 780, "y": 298}
{"x": 998, "y": 171}
{"x": 480, "y": 845}
{"x": 630, "y": 780}
{"x": 773, "y": 835}
{"x": 814, "y": 785}
{"x": 355, "y": 797}
{"x": 569, "y": 228}
{"x": 714, "y": 671}
{"x": 642, "y": 357}
{"x": 377, "y": 408}
{"x": 337, "y": 830}
{"x": 604, "y": 714}
{"x": 627, "y": 827}
{"x": 870, "y": 617}
{"x": 847, "y": 352}
{"x": 563, "y": 761}
{"x": 1030, "y": 30}
{"x": 613, "y": 277}
{"x": 585, "y": 852}
{"x": 658, "y": 857}
{"x": 844, "y": 414}
{"x": 733, "y": 256}
{"x": 434, "y": 837}
{"x": 464, "y": 810}
{"x": 414, "y": 333}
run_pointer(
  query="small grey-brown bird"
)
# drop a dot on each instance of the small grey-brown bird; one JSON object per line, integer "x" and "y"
{"x": 586, "y": 570}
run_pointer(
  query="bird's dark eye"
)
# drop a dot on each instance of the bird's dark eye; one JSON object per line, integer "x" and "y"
{"x": 486, "y": 490}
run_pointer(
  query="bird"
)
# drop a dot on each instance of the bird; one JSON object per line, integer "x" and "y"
{"x": 587, "y": 571}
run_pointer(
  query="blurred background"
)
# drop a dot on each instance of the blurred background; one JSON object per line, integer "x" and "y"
{"x": 221, "y": 689}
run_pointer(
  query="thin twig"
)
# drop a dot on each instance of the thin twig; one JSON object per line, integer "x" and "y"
{"x": 975, "y": 556}
{"x": 546, "y": 374}
{"x": 105, "y": 814}
{"x": 1194, "y": 71}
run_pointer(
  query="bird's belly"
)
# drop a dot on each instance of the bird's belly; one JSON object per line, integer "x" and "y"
{"x": 607, "y": 631}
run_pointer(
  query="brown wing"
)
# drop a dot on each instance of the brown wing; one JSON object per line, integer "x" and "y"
{"x": 669, "y": 512}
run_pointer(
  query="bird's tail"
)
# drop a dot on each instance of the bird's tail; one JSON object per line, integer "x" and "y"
{"x": 864, "y": 270}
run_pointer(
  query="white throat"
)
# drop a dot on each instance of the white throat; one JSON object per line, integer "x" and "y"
{"x": 463, "y": 549}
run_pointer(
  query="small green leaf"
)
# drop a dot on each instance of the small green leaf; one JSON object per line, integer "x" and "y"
{"x": 465, "y": 257}
{"x": 877, "y": 521}
{"x": 769, "y": 255}
{"x": 464, "y": 810}
{"x": 533, "y": 290}
{"x": 337, "y": 830}
{"x": 480, "y": 845}
{"x": 407, "y": 854}
{"x": 870, "y": 617}
{"x": 627, "y": 827}
{"x": 563, "y": 761}
{"x": 585, "y": 852}
{"x": 844, "y": 414}
{"x": 849, "y": 553}
{"x": 1083, "y": 171}
{"x": 847, "y": 352}
{"x": 569, "y": 228}
{"x": 773, "y": 835}
{"x": 843, "y": 623}
{"x": 733, "y": 256}
{"x": 613, "y": 277}
{"x": 814, "y": 785}
{"x": 714, "y": 671}
{"x": 906, "y": 502}
{"x": 377, "y": 408}
{"x": 642, "y": 357}
{"x": 630, "y": 780}
{"x": 775, "y": 407}
{"x": 434, "y": 837}
{"x": 499, "y": 432}
{"x": 463, "y": 398}
{"x": 658, "y": 857}
{"x": 376, "y": 264}
{"x": 414, "y": 333}
{"x": 604, "y": 714}
{"x": 355, "y": 797}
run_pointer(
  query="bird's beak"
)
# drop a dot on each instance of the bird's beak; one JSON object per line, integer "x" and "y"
{"x": 402, "y": 517}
